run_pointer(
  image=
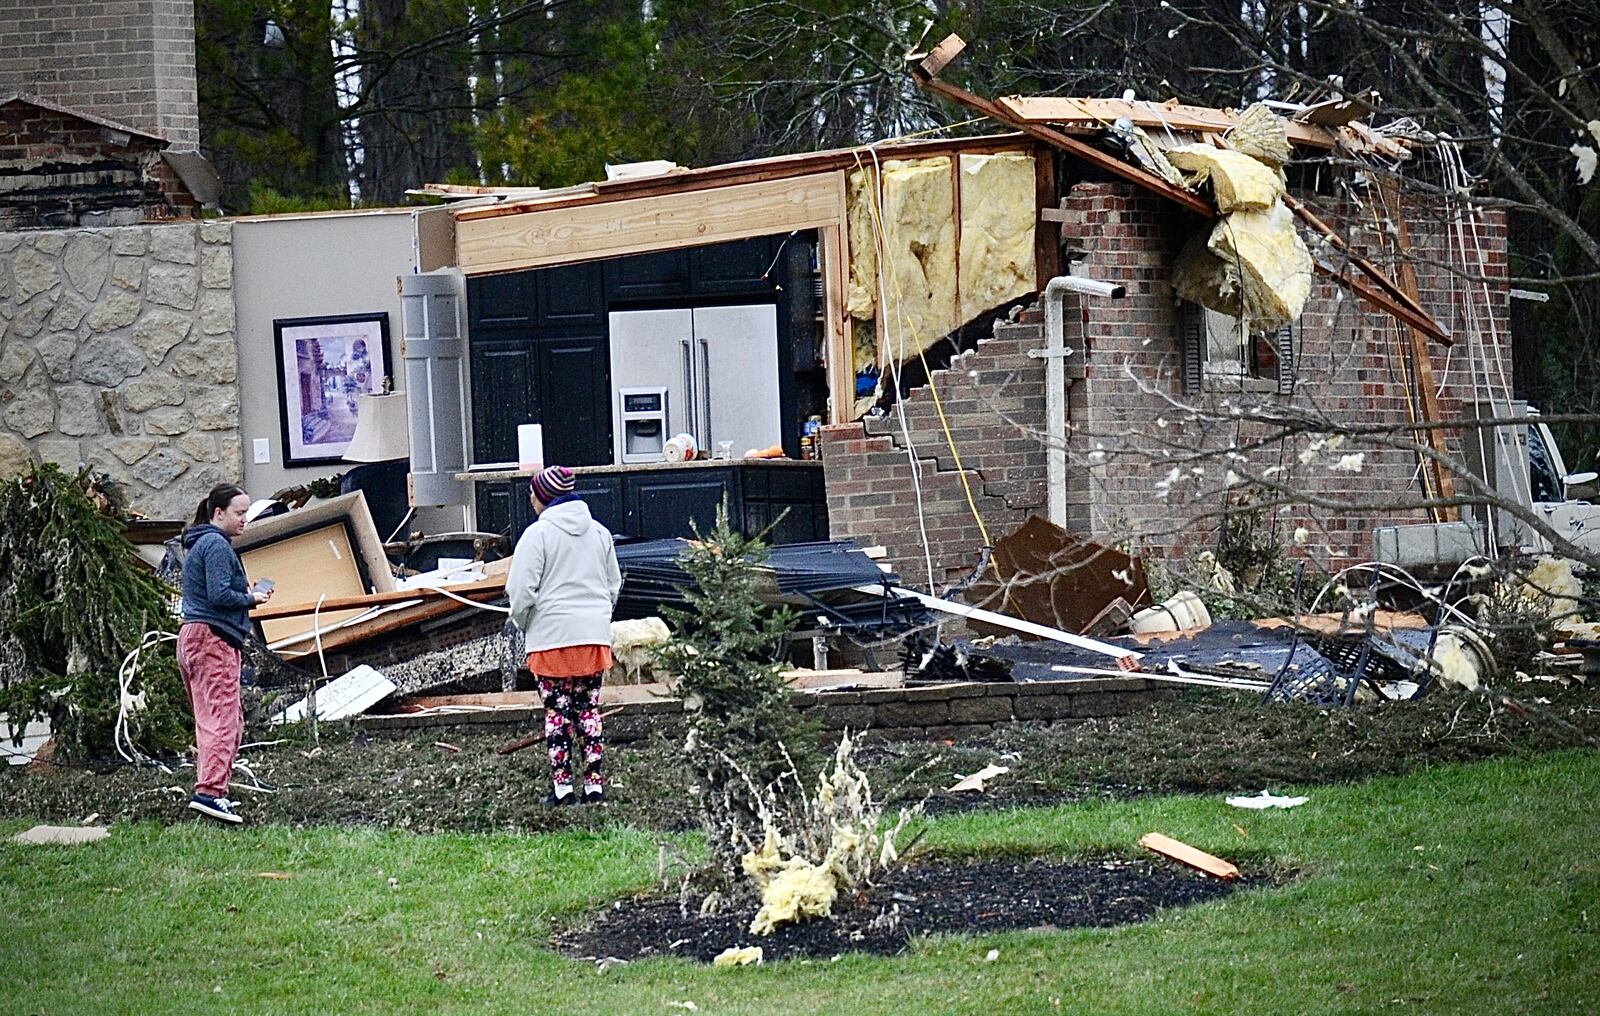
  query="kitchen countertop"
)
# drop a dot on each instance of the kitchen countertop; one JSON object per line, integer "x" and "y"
{"x": 643, "y": 467}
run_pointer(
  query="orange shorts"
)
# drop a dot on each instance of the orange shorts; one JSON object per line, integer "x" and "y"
{"x": 570, "y": 661}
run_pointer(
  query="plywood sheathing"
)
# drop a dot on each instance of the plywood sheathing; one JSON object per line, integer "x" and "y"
{"x": 996, "y": 260}
{"x": 1090, "y": 116}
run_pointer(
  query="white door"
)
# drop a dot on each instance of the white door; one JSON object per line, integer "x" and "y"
{"x": 433, "y": 348}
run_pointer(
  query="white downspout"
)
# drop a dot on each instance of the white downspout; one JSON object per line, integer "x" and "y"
{"x": 1055, "y": 381}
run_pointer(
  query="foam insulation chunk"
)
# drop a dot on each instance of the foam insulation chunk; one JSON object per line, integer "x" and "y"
{"x": 997, "y": 222}
{"x": 919, "y": 263}
{"x": 1267, "y": 261}
{"x": 1238, "y": 181}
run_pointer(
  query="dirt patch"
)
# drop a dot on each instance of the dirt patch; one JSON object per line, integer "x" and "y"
{"x": 937, "y": 897}
{"x": 1203, "y": 742}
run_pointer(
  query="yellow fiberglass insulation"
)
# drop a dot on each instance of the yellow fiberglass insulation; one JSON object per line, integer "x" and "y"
{"x": 919, "y": 260}
{"x": 1238, "y": 181}
{"x": 1552, "y": 588}
{"x": 997, "y": 223}
{"x": 1267, "y": 262}
{"x": 798, "y": 890}
{"x": 1262, "y": 134}
{"x": 861, "y": 298}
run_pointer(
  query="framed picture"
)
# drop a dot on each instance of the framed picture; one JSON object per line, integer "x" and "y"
{"x": 324, "y": 365}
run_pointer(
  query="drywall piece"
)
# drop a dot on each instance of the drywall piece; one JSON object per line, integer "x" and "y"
{"x": 996, "y": 257}
{"x": 1271, "y": 262}
{"x": 329, "y": 549}
{"x": 61, "y": 836}
{"x": 1181, "y": 852}
{"x": 919, "y": 264}
{"x": 343, "y": 697}
{"x": 1238, "y": 180}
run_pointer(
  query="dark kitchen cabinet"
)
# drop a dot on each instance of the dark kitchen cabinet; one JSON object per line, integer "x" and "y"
{"x": 648, "y": 276}
{"x": 505, "y": 392}
{"x": 671, "y": 501}
{"x": 574, "y": 380}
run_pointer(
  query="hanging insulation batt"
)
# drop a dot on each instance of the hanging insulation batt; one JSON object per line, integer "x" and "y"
{"x": 997, "y": 223}
{"x": 1239, "y": 181}
{"x": 919, "y": 264}
{"x": 861, "y": 294}
{"x": 1268, "y": 263}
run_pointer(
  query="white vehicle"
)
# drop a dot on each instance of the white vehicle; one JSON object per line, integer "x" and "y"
{"x": 1563, "y": 498}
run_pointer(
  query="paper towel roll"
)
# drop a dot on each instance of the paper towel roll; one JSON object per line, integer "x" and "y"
{"x": 530, "y": 446}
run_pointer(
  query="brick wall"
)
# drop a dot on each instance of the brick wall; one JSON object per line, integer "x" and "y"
{"x": 131, "y": 61}
{"x": 1127, "y": 432}
{"x": 993, "y": 401}
{"x": 60, "y": 170}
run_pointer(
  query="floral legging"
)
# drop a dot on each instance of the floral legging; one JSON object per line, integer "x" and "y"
{"x": 572, "y": 704}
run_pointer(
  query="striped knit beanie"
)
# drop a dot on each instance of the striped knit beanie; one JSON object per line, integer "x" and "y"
{"x": 551, "y": 483}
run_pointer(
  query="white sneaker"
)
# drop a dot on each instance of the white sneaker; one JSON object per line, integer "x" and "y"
{"x": 219, "y": 808}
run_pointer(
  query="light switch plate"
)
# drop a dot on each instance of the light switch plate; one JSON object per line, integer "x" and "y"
{"x": 263, "y": 450}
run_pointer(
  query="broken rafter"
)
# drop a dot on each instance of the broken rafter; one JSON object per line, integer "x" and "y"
{"x": 926, "y": 75}
{"x": 1381, "y": 292}
{"x": 1389, "y": 296}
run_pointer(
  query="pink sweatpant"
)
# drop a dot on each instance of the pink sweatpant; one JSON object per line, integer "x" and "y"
{"x": 210, "y": 669}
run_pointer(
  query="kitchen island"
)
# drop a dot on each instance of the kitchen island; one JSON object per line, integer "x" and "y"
{"x": 657, "y": 500}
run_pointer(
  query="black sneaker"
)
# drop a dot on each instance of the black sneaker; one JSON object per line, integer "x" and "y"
{"x": 552, "y": 801}
{"x": 219, "y": 808}
{"x": 594, "y": 797}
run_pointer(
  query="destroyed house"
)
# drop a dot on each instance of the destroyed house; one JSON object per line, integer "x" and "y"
{"x": 741, "y": 303}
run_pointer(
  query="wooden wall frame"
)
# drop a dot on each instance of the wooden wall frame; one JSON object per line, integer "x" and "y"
{"x": 539, "y": 237}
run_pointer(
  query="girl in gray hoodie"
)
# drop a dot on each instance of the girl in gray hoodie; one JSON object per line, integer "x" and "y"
{"x": 563, "y": 583}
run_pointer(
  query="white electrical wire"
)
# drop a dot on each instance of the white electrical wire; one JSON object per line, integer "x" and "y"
{"x": 120, "y": 738}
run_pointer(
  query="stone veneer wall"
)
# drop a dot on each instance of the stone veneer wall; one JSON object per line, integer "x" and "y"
{"x": 117, "y": 350}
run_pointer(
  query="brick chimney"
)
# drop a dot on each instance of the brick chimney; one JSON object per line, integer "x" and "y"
{"x": 131, "y": 61}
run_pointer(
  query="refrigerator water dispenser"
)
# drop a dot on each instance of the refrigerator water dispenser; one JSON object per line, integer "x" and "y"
{"x": 642, "y": 421}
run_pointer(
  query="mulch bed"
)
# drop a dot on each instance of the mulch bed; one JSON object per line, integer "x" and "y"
{"x": 952, "y": 897}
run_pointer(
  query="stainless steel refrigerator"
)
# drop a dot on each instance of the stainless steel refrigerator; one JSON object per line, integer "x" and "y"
{"x": 719, "y": 366}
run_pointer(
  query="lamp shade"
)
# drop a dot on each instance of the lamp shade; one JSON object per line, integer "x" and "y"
{"x": 383, "y": 431}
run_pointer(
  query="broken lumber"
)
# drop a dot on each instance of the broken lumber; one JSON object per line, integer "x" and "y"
{"x": 926, "y": 75}
{"x": 487, "y": 589}
{"x": 1184, "y": 854}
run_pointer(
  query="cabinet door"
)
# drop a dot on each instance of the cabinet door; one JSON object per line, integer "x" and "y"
{"x": 662, "y": 506}
{"x": 644, "y": 276}
{"x": 733, "y": 269}
{"x": 494, "y": 507}
{"x": 603, "y": 495}
{"x": 571, "y": 296}
{"x": 575, "y": 386}
{"x": 500, "y": 303}
{"x": 504, "y": 393}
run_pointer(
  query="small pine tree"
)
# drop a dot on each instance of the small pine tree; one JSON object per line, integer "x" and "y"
{"x": 726, "y": 652}
{"x": 74, "y": 601}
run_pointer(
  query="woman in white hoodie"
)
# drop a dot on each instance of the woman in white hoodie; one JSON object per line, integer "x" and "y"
{"x": 563, "y": 584}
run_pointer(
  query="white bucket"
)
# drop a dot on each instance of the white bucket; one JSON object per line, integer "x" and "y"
{"x": 1184, "y": 610}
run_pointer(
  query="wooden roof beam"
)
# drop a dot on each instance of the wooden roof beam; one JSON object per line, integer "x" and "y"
{"x": 926, "y": 75}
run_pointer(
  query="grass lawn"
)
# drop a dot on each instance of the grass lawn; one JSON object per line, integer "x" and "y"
{"x": 1460, "y": 889}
